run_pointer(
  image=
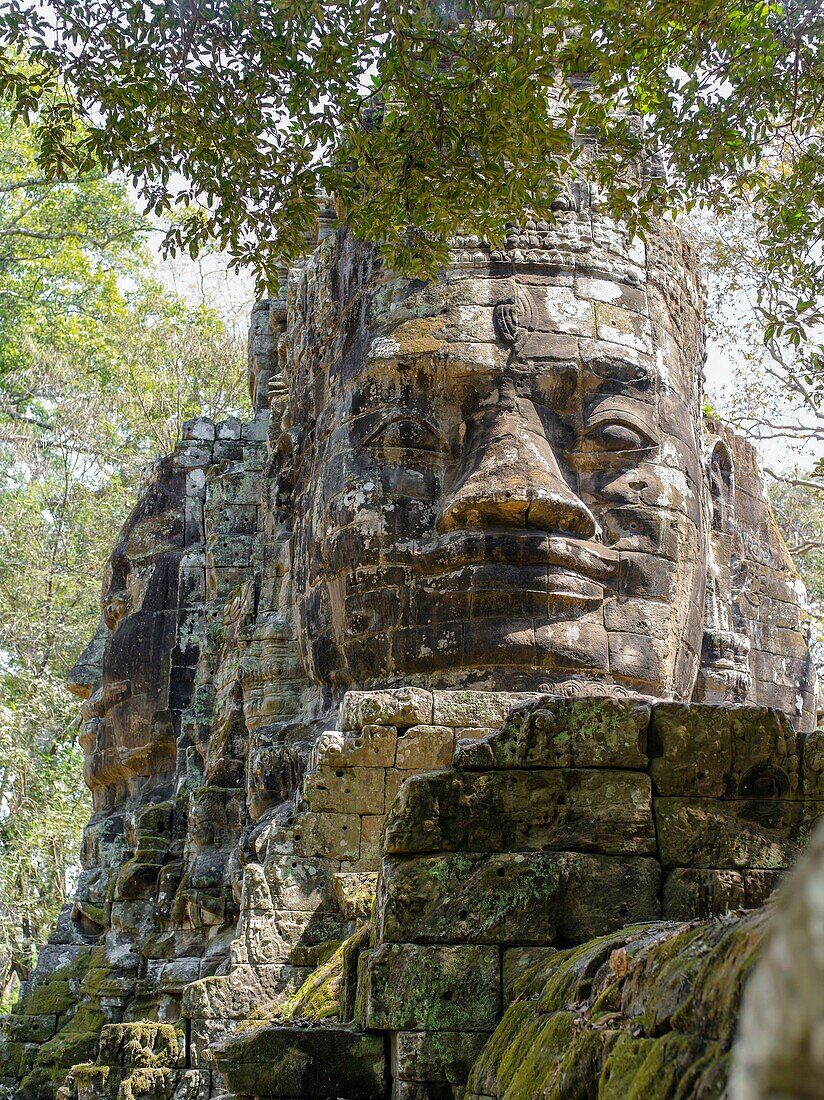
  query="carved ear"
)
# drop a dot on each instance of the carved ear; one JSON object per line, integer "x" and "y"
{"x": 721, "y": 478}
{"x": 286, "y": 466}
{"x": 514, "y": 318}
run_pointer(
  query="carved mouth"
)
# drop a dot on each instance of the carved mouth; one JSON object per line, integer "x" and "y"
{"x": 570, "y": 564}
{"x": 104, "y": 698}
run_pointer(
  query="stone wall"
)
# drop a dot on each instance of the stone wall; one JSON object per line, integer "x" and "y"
{"x": 573, "y": 820}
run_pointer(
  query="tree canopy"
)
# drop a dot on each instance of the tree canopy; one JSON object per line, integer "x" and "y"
{"x": 456, "y": 113}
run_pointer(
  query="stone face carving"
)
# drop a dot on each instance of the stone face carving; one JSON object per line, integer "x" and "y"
{"x": 499, "y": 480}
{"x": 128, "y": 735}
{"x": 487, "y": 492}
{"x": 499, "y": 477}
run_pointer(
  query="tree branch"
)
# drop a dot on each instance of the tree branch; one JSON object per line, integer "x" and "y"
{"x": 801, "y": 482}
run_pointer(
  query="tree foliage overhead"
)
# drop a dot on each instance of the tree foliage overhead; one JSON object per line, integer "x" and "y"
{"x": 235, "y": 112}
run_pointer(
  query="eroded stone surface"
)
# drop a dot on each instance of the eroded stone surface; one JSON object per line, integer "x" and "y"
{"x": 514, "y": 897}
{"x": 588, "y": 810}
{"x": 307, "y": 1062}
{"x": 406, "y": 986}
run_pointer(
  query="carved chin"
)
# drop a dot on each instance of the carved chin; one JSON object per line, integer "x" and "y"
{"x": 503, "y": 642}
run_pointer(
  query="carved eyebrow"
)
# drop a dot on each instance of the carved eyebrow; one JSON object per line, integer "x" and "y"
{"x": 619, "y": 414}
{"x": 406, "y": 418}
{"x": 621, "y": 370}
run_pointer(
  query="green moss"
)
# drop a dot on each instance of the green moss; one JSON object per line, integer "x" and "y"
{"x": 622, "y": 1067}
{"x": 86, "y": 1073}
{"x": 648, "y": 1069}
{"x": 571, "y": 981}
{"x": 581, "y": 1065}
{"x": 314, "y": 954}
{"x": 69, "y": 1047}
{"x": 655, "y": 1021}
{"x": 609, "y": 999}
{"x": 147, "y": 1044}
{"x": 707, "y": 1076}
{"x": 534, "y": 978}
{"x": 60, "y": 990}
{"x": 352, "y": 950}
{"x": 322, "y": 995}
{"x": 457, "y": 866}
{"x": 319, "y": 997}
{"x": 720, "y": 978}
{"x": 141, "y": 1084}
{"x": 511, "y": 1037}
{"x": 532, "y": 1069}
{"x": 80, "y": 1022}
{"x": 667, "y": 975}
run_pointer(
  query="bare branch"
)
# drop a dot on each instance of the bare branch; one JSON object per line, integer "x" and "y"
{"x": 69, "y": 234}
{"x": 44, "y": 181}
{"x": 800, "y": 482}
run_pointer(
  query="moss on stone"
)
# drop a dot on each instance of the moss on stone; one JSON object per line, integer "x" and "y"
{"x": 658, "y": 1074}
{"x": 314, "y": 954}
{"x": 77, "y": 989}
{"x": 319, "y": 998}
{"x": 88, "y": 1071}
{"x": 716, "y": 998}
{"x": 141, "y": 1084}
{"x": 647, "y": 1013}
{"x": 352, "y": 949}
{"x": 623, "y": 1066}
{"x": 534, "y": 1069}
{"x": 146, "y": 1044}
{"x": 500, "y": 1057}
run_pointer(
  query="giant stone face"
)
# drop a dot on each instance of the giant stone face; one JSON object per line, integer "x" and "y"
{"x": 128, "y": 734}
{"x": 498, "y": 477}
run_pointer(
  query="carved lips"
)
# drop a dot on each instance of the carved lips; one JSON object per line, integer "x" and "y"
{"x": 572, "y": 569}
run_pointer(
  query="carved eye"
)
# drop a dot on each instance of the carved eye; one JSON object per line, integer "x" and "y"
{"x": 616, "y": 432}
{"x": 408, "y": 433}
{"x": 114, "y": 610}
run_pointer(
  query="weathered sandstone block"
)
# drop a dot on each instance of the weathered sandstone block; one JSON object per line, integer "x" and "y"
{"x": 578, "y": 733}
{"x": 403, "y": 987}
{"x": 736, "y": 833}
{"x": 603, "y": 811}
{"x": 721, "y": 752}
{"x": 523, "y": 898}
{"x": 313, "y": 1063}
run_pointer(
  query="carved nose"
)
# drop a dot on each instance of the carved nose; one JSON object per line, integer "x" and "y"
{"x": 510, "y": 477}
{"x": 87, "y": 671}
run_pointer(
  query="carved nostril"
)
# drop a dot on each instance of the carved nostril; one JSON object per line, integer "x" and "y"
{"x": 562, "y": 511}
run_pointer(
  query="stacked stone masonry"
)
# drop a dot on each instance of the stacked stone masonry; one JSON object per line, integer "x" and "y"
{"x": 475, "y": 644}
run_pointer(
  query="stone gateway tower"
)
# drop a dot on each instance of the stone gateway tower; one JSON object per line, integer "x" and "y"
{"x": 428, "y": 704}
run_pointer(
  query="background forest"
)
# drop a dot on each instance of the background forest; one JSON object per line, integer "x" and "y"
{"x": 100, "y": 363}
{"x": 216, "y": 112}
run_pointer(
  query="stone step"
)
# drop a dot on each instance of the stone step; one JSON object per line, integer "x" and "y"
{"x": 304, "y": 1063}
